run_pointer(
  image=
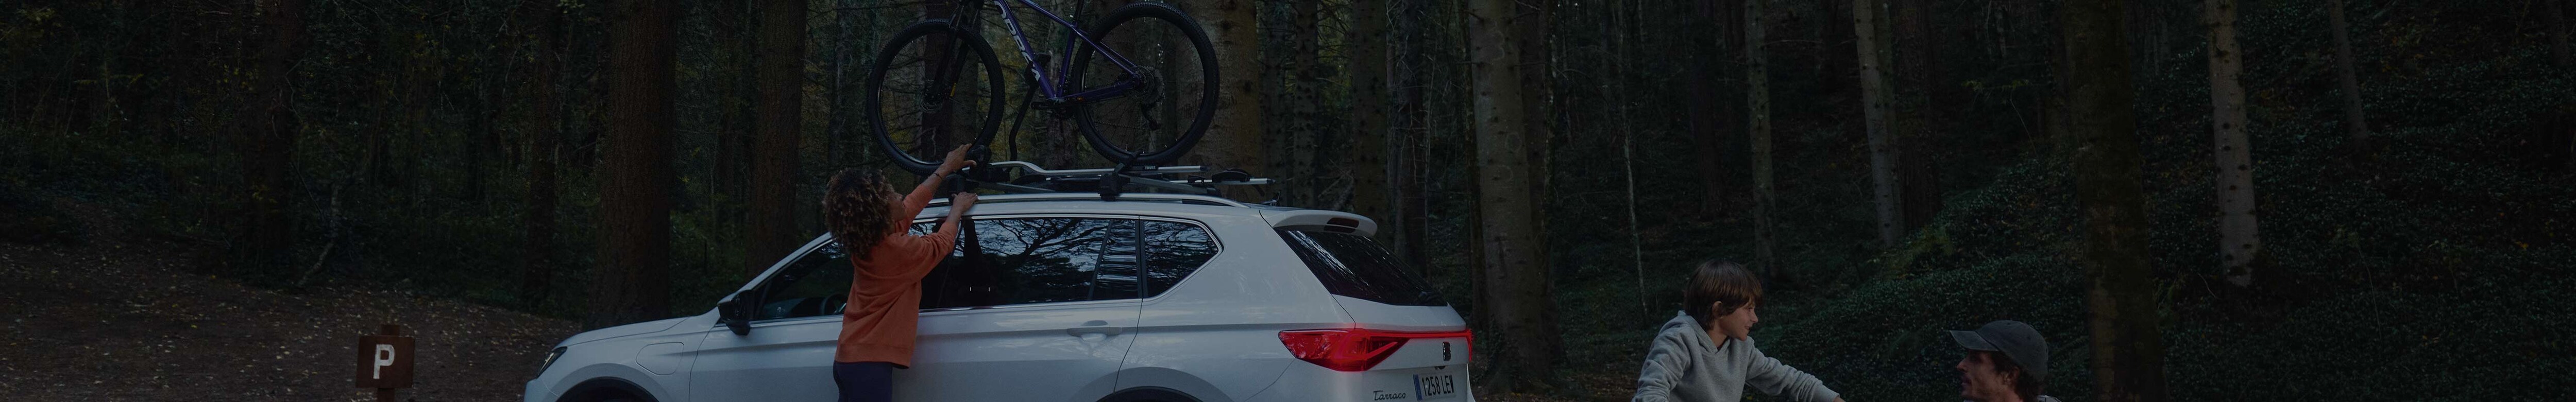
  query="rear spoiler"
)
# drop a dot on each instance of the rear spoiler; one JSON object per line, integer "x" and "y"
{"x": 1320, "y": 220}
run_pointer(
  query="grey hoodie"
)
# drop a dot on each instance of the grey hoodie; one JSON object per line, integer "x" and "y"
{"x": 1684, "y": 365}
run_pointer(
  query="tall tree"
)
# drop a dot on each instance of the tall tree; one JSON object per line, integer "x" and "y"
{"x": 1516, "y": 298}
{"x": 1757, "y": 118}
{"x": 1876, "y": 97}
{"x": 736, "y": 79}
{"x": 1370, "y": 135}
{"x": 1701, "y": 92}
{"x": 633, "y": 281}
{"x": 268, "y": 134}
{"x": 1410, "y": 123}
{"x": 1234, "y": 138}
{"x": 2555, "y": 15}
{"x": 2353, "y": 123}
{"x": 772, "y": 220}
{"x": 1917, "y": 114}
{"x": 544, "y": 19}
{"x": 2128, "y": 355}
{"x": 1302, "y": 92}
{"x": 1530, "y": 29}
{"x": 2238, "y": 240}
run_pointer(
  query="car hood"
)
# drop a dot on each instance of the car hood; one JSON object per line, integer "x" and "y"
{"x": 622, "y": 330}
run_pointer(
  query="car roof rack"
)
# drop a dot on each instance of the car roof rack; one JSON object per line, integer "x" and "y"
{"x": 1183, "y": 183}
{"x": 1166, "y": 197}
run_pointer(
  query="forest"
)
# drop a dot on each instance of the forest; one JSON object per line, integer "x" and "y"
{"x": 2192, "y": 200}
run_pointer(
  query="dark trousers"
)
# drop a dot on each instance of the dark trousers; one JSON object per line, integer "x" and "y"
{"x": 864, "y": 381}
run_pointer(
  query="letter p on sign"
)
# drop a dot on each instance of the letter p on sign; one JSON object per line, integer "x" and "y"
{"x": 384, "y": 357}
{"x": 385, "y": 361}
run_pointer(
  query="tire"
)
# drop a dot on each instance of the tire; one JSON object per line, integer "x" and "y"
{"x": 1138, "y": 127}
{"x": 907, "y": 119}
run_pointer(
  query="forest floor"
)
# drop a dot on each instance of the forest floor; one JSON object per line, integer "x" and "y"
{"x": 121, "y": 318}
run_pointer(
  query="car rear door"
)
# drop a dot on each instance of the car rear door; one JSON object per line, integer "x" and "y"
{"x": 1029, "y": 308}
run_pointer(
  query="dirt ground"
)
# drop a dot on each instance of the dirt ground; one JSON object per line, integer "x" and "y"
{"x": 119, "y": 319}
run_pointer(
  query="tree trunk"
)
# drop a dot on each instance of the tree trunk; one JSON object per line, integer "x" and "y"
{"x": 2128, "y": 355}
{"x": 268, "y": 141}
{"x": 772, "y": 211}
{"x": 1875, "y": 99}
{"x": 1411, "y": 135}
{"x": 2238, "y": 242}
{"x": 2555, "y": 14}
{"x": 633, "y": 281}
{"x": 1369, "y": 134}
{"x": 836, "y": 152}
{"x": 2345, "y": 80}
{"x": 736, "y": 77}
{"x": 1757, "y": 117}
{"x": 1708, "y": 128}
{"x": 1707, "y": 132}
{"x": 536, "y": 279}
{"x": 1234, "y": 138}
{"x": 1304, "y": 89}
{"x": 1515, "y": 277}
{"x": 1917, "y": 116}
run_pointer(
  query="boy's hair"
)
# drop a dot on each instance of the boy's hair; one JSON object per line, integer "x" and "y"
{"x": 2025, "y": 384}
{"x": 855, "y": 209}
{"x": 1720, "y": 282}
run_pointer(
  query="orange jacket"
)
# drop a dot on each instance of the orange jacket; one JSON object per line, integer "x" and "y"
{"x": 885, "y": 291}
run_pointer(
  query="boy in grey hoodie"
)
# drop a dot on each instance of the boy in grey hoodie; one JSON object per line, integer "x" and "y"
{"x": 1706, "y": 352}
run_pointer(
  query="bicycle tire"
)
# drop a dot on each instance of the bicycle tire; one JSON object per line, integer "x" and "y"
{"x": 1088, "y": 116}
{"x": 934, "y": 140}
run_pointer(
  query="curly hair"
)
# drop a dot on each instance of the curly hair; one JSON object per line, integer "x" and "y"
{"x": 856, "y": 208}
{"x": 1716, "y": 289}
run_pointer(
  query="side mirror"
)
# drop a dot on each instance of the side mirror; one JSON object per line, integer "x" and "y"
{"x": 735, "y": 312}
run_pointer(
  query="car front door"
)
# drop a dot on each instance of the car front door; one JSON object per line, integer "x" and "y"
{"x": 1029, "y": 308}
{"x": 795, "y": 328}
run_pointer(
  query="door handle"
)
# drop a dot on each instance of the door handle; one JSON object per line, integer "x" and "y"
{"x": 1095, "y": 327}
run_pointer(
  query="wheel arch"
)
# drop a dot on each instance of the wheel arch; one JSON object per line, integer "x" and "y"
{"x": 1149, "y": 394}
{"x": 606, "y": 387}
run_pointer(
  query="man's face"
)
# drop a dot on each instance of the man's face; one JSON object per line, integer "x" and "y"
{"x": 1978, "y": 380}
{"x": 1737, "y": 324}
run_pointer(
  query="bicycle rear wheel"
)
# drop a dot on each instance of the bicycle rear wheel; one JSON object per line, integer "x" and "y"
{"x": 929, "y": 89}
{"x": 1175, "y": 77}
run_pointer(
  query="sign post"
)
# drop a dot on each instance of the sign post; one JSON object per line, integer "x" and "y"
{"x": 384, "y": 361}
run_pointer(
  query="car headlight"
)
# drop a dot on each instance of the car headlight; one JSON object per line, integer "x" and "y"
{"x": 550, "y": 360}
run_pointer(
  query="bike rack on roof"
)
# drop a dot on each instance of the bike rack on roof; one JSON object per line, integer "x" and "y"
{"x": 1109, "y": 183}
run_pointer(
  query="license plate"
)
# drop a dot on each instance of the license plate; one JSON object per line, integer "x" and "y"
{"x": 1434, "y": 386}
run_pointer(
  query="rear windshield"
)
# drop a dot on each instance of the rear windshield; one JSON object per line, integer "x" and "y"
{"x": 1351, "y": 265}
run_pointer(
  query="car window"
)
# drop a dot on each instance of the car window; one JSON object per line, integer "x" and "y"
{"x": 1024, "y": 260}
{"x": 1173, "y": 250}
{"x": 818, "y": 283}
{"x": 1352, "y": 265}
{"x": 1001, "y": 261}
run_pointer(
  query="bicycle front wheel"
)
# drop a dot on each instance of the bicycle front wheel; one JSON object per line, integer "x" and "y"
{"x": 1171, "y": 78}
{"x": 931, "y": 88}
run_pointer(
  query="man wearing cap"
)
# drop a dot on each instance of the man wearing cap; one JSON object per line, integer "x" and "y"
{"x": 2007, "y": 361}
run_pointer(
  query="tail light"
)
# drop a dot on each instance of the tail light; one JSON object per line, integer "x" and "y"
{"x": 1357, "y": 349}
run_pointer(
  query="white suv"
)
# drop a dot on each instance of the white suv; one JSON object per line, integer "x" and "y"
{"x": 1067, "y": 297}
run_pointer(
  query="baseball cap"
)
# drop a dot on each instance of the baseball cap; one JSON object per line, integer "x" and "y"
{"x": 2014, "y": 339}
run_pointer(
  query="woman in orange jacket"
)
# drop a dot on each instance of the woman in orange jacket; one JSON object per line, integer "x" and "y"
{"x": 869, "y": 220}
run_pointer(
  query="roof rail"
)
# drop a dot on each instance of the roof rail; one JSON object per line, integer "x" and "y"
{"x": 1182, "y": 198}
{"x": 1109, "y": 184}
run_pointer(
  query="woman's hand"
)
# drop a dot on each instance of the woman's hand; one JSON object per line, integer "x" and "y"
{"x": 956, "y": 160}
{"x": 960, "y": 202}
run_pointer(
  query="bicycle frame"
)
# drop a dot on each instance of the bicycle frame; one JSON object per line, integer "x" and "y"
{"x": 1049, "y": 82}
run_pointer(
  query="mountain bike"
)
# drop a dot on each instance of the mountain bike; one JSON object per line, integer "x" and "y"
{"x": 1141, "y": 84}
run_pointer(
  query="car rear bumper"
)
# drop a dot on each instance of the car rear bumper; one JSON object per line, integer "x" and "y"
{"x": 1314, "y": 383}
